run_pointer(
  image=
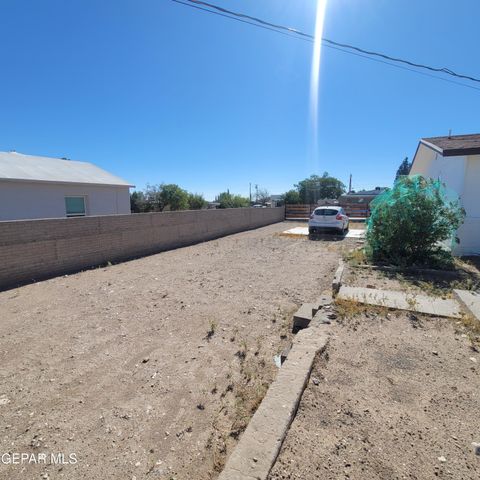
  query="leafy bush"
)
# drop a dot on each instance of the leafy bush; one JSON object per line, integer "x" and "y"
{"x": 292, "y": 197}
{"x": 196, "y": 201}
{"x": 412, "y": 223}
{"x": 227, "y": 200}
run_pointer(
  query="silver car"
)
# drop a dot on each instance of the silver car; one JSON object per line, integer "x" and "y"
{"x": 328, "y": 218}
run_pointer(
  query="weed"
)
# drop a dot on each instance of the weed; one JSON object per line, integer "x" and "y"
{"x": 355, "y": 257}
{"x": 211, "y": 330}
{"x": 352, "y": 308}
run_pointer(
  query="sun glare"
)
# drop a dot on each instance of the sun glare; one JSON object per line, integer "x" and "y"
{"x": 315, "y": 77}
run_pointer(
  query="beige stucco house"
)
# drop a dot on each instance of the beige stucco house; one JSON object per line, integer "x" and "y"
{"x": 455, "y": 160}
{"x": 42, "y": 187}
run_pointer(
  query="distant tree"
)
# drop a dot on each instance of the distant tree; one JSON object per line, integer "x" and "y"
{"x": 404, "y": 168}
{"x": 172, "y": 197}
{"x": 138, "y": 203}
{"x": 227, "y": 200}
{"x": 292, "y": 197}
{"x": 196, "y": 201}
{"x": 166, "y": 197}
{"x": 315, "y": 188}
{"x": 262, "y": 196}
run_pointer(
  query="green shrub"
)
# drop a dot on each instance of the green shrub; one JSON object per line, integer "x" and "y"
{"x": 412, "y": 223}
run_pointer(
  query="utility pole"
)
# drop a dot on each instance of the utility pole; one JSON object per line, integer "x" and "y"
{"x": 250, "y": 187}
{"x": 350, "y": 184}
{"x": 256, "y": 193}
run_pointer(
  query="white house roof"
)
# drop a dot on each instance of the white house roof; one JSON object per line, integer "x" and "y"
{"x": 18, "y": 167}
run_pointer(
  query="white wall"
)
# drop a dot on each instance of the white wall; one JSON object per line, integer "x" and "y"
{"x": 469, "y": 232}
{"x": 450, "y": 170}
{"x": 29, "y": 200}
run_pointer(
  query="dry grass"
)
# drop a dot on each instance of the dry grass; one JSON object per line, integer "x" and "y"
{"x": 347, "y": 309}
{"x": 356, "y": 257}
{"x": 472, "y": 330}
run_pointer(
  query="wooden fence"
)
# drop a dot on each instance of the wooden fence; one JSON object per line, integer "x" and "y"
{"x": 302, "y": 211}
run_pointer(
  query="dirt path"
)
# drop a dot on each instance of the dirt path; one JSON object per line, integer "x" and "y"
{"x": 151, "y": 368}
{"x": 395, "y": 397}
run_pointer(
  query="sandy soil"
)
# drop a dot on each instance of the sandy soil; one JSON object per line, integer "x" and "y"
{"x": 394, "y": 397}
{"x": 151, "y": 368}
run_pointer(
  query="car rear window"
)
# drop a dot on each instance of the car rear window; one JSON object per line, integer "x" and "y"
{"x": 325, "y": 211}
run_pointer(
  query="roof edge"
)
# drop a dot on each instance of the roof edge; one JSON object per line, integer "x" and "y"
{"x": 56, "y": 182}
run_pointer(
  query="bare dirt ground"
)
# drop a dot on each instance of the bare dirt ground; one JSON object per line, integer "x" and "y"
{"x": 395, "y": 396}
{"x": 151, "y": 368}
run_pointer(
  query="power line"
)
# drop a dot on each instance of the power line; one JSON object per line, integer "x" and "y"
{"x": 237, "y": 19}
{"x": 258, "y": 22}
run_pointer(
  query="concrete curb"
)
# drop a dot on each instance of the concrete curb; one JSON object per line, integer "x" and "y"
{"x": 259, "y": 446}
{"x": 470, "y": 301}
{"x": 304, "y": 315}
{"x": 337, "y": 279}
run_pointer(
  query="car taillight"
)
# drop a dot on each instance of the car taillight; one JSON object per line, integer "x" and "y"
{"x": 339, "y": 216}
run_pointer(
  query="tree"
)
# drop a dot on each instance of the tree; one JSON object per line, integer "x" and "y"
{"x": 292, "y": 197}
{"x": 227, "y": 200}
{"x": 409, "y": 222}
{"x": 315, "y": 188}
{"x": 166, "y": 197}
{"x": 404, "y": 168}
{"x": 138, "y": 202}
{"x": 262, "y": 196}
{"x": 196, "y": 201}
{"x": 173, "y": 197}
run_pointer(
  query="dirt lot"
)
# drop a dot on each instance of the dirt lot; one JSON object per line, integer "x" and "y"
{"x": 151, "y": 368}
{"x": 394, "y": 397}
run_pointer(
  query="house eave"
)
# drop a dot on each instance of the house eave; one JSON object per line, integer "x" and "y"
{"x": 55, "y": 182}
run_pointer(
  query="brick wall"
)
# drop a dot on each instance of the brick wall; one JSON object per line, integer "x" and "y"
{"x": 36, "y": 249}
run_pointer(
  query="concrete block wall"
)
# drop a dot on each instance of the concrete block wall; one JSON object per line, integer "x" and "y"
{"x": 36, "y": 249}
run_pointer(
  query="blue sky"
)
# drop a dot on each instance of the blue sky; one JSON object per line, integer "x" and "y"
{"x": 157, "y": 92}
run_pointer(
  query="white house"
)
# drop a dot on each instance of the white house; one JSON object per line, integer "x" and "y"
{"x": 42, "y": 187}
{"x": 455, "y": 160}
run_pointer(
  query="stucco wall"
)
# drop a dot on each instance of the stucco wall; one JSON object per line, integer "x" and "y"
{"x": 29, "y": 200}
{"x": 35, "y": 249}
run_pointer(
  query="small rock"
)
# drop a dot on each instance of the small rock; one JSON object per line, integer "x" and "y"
{"x": 145, "y": 360}
{"x": 442, "y": 459}
{"x": 255, "y": 459}
{"x": 434, "y": 352}
{"x": 473, "y": 359}
{"x": 315, "y": 381}
{"x": 476, "y": 447}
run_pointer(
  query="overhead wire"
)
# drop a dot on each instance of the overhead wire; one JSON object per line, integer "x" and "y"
{"x": 343, "y": 47}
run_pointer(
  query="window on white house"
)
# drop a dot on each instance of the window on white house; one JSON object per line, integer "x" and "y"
{"x": 75, "y": 206}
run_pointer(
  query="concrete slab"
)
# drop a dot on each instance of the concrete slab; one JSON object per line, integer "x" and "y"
{"x": 402, "y": 301}
{"x": 470, "y": 301}
{"x": 303, "y": 316}
{"x": 260, "y": 444}
{"x": 303, "y": 231}
{"x": 322, "y": 301}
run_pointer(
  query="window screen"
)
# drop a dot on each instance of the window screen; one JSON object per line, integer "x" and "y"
{"x": 75, "y": 206}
